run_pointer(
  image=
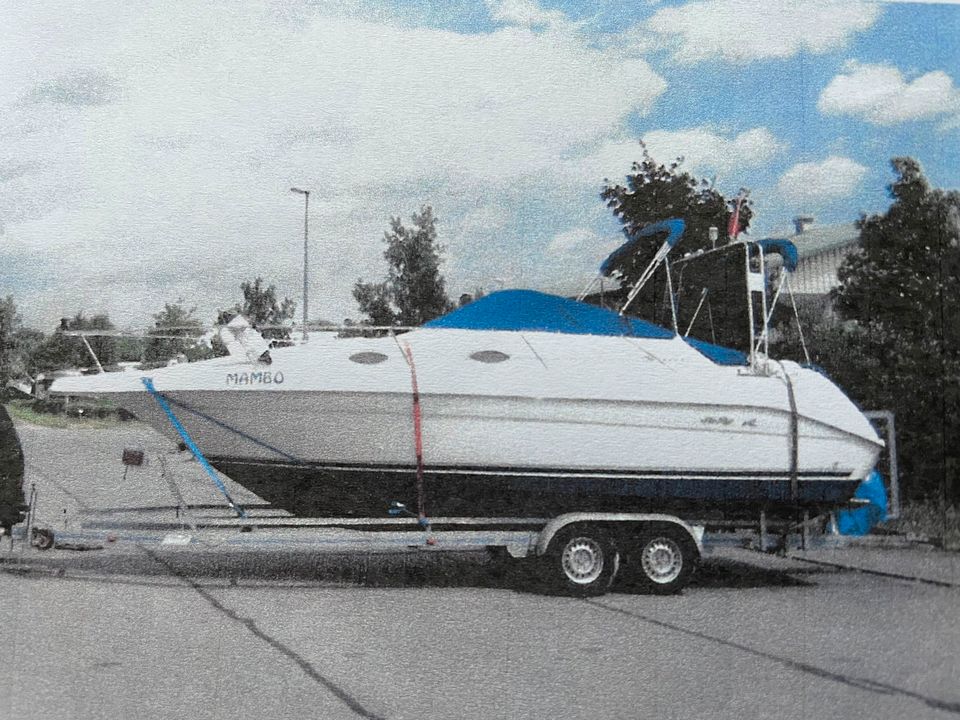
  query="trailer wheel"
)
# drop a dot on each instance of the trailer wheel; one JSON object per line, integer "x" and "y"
{"x": 582, "y": 561}
{"x": 42, "y": 539}
{"x": 664, "y": 559}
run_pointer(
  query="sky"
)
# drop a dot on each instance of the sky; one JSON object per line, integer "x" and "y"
{"x": 147, "y": 150}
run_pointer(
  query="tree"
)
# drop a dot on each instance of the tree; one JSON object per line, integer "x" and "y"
{"x": 262, "y": 310}
{"x": 902, "y": 291}
{"x": 65, "y": 351}
{"x": 177, "y": 321}
{"x": 414, "y": 291}
{"x": 655, "y": 192}
{"x": 18, "y": 345}
{"x": 10, "y": 324}
{"x": 26, "y": 344}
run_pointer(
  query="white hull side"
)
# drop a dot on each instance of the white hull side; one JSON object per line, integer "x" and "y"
{"x": 505, "y": 432}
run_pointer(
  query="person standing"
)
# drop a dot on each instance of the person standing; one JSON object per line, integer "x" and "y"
{"x": 11, "y": 474}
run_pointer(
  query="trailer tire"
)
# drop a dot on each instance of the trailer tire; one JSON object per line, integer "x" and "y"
{"x": 581, "y": 561}
{"x": 663, "y": 559}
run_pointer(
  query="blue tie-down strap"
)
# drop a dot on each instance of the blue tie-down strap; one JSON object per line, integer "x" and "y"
{"x": 859, "y": 521}
{"x": 182, "y": 432}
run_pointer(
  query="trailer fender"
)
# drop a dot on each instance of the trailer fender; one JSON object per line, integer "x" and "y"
{"x": 613, "y": 519}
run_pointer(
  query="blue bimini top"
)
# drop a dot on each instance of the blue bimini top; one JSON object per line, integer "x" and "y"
{"x": 538, "y": 312}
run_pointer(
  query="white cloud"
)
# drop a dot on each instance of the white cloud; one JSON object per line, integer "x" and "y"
{"x": 565, "y": 242}
{"x": 704, "y": 152}
{"x": 745, "y": 30}
{"x": 153, "y": 148}
{"x": 574, "y": 255}
{"x": 835, "y": 177}
{"x": 881, "y": 95}
{"x": 525, "y": 13}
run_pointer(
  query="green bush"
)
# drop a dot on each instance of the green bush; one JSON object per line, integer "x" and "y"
{"x": 78, "y": 408}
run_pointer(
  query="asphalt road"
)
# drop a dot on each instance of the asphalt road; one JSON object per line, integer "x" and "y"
{"x": 139, "y": 631}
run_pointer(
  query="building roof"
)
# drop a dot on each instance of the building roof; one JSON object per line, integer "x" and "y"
{"x": 816, "y": 239}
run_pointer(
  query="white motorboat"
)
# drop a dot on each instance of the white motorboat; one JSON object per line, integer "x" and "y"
{"x": 520, "y": 404}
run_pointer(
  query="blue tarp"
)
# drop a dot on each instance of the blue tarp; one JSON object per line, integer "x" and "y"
{"x": 859, "y": 521}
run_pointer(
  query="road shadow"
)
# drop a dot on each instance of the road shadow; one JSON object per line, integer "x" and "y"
{"x": 724, "y": 573}
{"x": 265, "y": 569}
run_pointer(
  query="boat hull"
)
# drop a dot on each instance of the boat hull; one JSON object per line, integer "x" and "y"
{"x": 317, "y": 490}
{"x": 353, "y": 454}
{"x": 512, "y": 424}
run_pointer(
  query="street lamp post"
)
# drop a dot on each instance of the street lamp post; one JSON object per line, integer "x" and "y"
{"x": 306, "y": 211}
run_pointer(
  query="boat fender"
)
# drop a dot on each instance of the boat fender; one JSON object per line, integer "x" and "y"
{"x": 614, "y": 520}
{"x": 872, "y": 493}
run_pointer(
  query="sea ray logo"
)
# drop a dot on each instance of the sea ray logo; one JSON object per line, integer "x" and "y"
{"x": 722, "y": 420}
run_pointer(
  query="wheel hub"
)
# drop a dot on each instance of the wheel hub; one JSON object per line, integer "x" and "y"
{"x": 662, "y": 560}
{"x": 582, "y": 560}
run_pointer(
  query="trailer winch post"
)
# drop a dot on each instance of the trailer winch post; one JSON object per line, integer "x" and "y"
{"x": 31, "y": 512}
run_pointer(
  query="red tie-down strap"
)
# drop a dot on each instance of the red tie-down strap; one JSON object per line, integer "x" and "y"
{"x": 418, "y": 442}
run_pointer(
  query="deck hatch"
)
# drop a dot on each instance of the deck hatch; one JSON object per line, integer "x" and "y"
{"x": 489, "y": 356}
{"x": 368, "y": 358}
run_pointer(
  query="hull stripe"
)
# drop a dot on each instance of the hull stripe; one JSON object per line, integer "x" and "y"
{"x": 673, "y": 474}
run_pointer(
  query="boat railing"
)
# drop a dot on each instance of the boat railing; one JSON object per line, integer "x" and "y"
{"x": 294, "y": 331}
{"x": 292, "y": 334}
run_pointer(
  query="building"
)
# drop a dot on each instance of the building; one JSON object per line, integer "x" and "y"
{"x": 821, "y": 249}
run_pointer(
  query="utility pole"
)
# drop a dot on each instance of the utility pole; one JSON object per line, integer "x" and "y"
{"x": 306, "y": 215}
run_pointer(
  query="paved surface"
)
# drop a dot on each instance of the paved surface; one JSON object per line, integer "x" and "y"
{"x": 923, "y": 563}
{"x": 137, "y": 630}
{"x": 79, "y": 470}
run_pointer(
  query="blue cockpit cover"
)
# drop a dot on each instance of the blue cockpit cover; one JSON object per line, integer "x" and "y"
{"x": 536, "y": 311}
{"x": 719, "y": 354}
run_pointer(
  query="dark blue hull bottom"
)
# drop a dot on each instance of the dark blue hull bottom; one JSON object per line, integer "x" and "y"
{"x": 352, "y": 491}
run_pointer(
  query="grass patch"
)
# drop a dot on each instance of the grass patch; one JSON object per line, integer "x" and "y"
{"x": 23, "y": 410}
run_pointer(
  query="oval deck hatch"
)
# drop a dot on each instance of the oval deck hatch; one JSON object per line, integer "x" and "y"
{"x": 489, "y": 356}
{"x": 368, "y": 358}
